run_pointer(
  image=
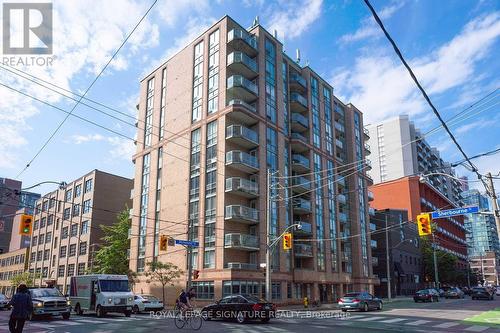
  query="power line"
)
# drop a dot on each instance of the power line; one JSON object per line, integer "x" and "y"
{"x": 488, "y": 153}
{"x": 86, "y": 91}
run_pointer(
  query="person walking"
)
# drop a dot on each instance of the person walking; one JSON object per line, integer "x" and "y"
{"x": 22, "y": 306}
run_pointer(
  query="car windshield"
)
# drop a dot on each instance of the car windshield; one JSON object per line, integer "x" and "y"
{"x": 351, "y": 295}
{"x": 420, "y": 292}
{"x": 479, "y": 289}
{"x": 150, "y": 297}
{"x": 48, "y": 292}
{"x": 114, "y": 285}
{"x": 255, "y": 299}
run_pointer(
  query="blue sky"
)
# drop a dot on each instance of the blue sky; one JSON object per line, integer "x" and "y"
{"x": 452, "y": 45}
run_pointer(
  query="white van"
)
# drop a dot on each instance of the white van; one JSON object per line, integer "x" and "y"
{"x": 101, "y": 293}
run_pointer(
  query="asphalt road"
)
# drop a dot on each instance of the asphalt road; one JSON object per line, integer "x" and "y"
{"x": 444, "y": 316}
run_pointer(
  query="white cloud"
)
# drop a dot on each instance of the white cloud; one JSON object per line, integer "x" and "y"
{"x": 294, "y": 17}
{"x": 120, "y": 147}
{"x": 79, "y": 139}
{"x": 369, "y": 28}
{"x": 478, "y": 124}
{"x": 380, "y": 86}
{"x": 173, "y": 11}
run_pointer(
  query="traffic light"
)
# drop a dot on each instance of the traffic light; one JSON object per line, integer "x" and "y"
{"x": 287, "y": 241}
{"x": 424, "y": 224}
{"x": 26, "y": 225}
{"x": 196, "y": 274}
{"x": 163, "y": 242}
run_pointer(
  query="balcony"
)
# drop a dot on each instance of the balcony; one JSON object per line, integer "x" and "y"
{"x": 301, "y": 206}
{"x": 241, "y": 242}
{"x": 299, "y": 142}
{"x": 239, "y": 87}
{"x": 242, "y": 136}
{"x": 345, "y": 256}
{"x": 370, "y": 196}
{"x": 368, "y": 164}
{"x": 298, "y": 103}
{"x": 240, "y": 63}
{"x": 339, "y": 127}
{"x": 242, "y": 187}
{"x": 303, "y": 250}
{"x": 371, "y": 211}
{"x": 339, "y": 144}
{"x": 299, "y": 122}
{"x": 341, "y": 181}
{"x": 242, "y": 266}
{"x": 366, "y": 133}
{"x": 238, "y": 113}
{"x": 306, "y": 229}
{"x": 300, "y": 163}
{"x": 242, "y": 161}
{"x": 342, "y": 217}
{"x": 342, "y": 198}
{"x": 301, "y": 184}
{"x": 297, "y": 83}
{"x": 240, "y": 40}
{"x": 368, "y": 151}
{"x": 242, "y": 214}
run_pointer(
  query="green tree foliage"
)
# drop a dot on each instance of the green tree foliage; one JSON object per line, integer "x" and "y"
{"x": 448, "y": 271}
{"x": 163, "y": 272}
{"x": 26, "y": 278}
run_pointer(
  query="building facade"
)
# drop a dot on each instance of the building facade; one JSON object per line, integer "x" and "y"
{"x": 405, "y": 259}
{"x": 11, "y": 264}
{"x": 66, "y": 225}
{"x": 410, "y": 194}
{"x": 399, "y": 150}
{"x": 487, "y": 266}
{"x": 213, "y": 120}
{"x": 18, "y": 241}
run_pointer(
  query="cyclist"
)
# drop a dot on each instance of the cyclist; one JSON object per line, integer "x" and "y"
{"x": 184, "y": 300}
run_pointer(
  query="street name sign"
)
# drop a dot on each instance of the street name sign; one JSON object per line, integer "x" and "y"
{"x": 186, "y": 243}
{"x": 454, "y": 212}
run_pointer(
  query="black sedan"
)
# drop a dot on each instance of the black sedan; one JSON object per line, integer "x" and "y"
{"x": 426, "y": 295}
{"x": 482, "y": 293}
{"x": 240, "y": 307}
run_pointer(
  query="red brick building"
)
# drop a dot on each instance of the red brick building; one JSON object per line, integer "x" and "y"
{"x": 410, "y": 194}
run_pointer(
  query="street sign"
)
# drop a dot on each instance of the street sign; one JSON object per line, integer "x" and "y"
{"x": 453, "y": 212}
{"x": 186, "y": 243}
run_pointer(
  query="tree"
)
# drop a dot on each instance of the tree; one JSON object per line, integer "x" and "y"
{"x": 162, "y": 272}
{"x": 448, "y": 271}
{"x": 26, "y": 278}
{"x": 112, "y": 258}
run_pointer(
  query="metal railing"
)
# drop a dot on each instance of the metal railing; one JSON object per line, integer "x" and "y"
{"x": 241, "y": 81}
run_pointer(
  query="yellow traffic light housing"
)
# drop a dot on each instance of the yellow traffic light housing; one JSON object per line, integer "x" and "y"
{"x": 26, "y": 225}
{"x": 287, "y": 241}
{"x": 163, "y": 242}
{"x": 424, "y": 224}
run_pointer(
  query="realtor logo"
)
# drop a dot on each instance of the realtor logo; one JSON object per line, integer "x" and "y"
{"x": 27, "y": 28}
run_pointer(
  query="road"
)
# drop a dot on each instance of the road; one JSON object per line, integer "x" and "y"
{"x": 444, "y": 316}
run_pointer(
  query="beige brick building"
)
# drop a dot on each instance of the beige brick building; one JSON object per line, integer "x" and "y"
{"x": 66, "y": 225}
{"x": 212, "y": 120}
{"x": 11, "y": 264}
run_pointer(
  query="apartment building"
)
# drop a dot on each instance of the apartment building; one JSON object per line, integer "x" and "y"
{"x": 12, "y": 264}
{"x": 213, "y": 120}
{"x": 399, "y": 149}
{"x": 410, "y": 194}
{"x": 487, "y": 266}
{"x": 66, "y": 225}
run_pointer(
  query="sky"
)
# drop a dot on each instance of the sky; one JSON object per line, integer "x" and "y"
{"x": 453, "y": 47}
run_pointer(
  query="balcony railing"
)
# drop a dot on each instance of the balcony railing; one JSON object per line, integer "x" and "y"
{"x": 306, "y": 228}
{"x": 242, "y": 160}
{"x": 243, "y": 214}
{"x": 303, "y": 250}
{"x": 296, "y": 97}
{"x": 240, "y": 57}
{"x": 367, "y": 149}
{"x": 371, "y": 211}
{"x": 299, "y": 122}
{"x": 342, "y": 217}
{"x": 242, "y": 265}
{"x": 240, "y": 34}
{"x": 240, "y": 81}
{"x": 366, "y": 132}
{"x": 298, "y": 136}
{"x": 296, "y": 78}
{"x": 370, "y": 196}
{"x": 243, "y": 103}
{"x": 339, "y": 143}
{"x": 241, "y": 242}
{"x": 300, "y": 161}
{"x": 301, "y": 205}
{"x": 342, "y": 198}
{"x": 301, "y": 184}
{"x": 242, "y": 135}
{"x": 245, "y": 187}
{"x": 339, "y": 127}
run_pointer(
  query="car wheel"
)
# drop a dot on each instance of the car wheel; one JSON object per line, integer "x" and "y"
{"x": 365, "y": 307}
{"x": 66, "y": 315}
{"x": 127, "y": 313}
{"x": 135, "y": 309}
{"x": 78, "y": 309}
{"x": 380, "y": 306}
{"x": 240, "y": 318}
{"x": 99, "y": 312}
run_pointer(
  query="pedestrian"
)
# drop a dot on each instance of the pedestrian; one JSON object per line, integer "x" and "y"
{"x": 22, "y": 306}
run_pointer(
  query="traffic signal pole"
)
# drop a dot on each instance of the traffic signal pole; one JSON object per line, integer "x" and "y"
{"x": 387, "y": 259}
{"x": 436, "y": 274}
{"x": 491, "y": 192}
{"x": 190, "y": 266}
{"x": 268, "y": 237}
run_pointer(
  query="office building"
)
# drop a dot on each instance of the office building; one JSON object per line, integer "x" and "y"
{"x": 399, "y": 149}
{"x": 213, "y": 120}
{"x": 67, "y": 225}
{"x": 487, "y": 267}
{"x": 11, "y": 264}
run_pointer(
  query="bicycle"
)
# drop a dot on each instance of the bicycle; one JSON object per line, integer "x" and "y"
{"x": 188, "y": 317}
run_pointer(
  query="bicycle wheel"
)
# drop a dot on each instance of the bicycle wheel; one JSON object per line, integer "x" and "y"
{"x": 195, "y": 321}
{"x": 179, "y": 320}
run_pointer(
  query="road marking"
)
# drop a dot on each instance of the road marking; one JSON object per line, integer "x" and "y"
{"x": 39, "y": 325}
{"x": 392, "y": 320}
{"x": 68, "y": 323}
{"x": 371, "y": 318}
{"x": 447, "y": 325}
{"x": 90, "y": 321}
{"x": 476, "y": 328}
{"x": 418, "y": 322}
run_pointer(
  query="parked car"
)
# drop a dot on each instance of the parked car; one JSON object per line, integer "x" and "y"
{"x": 426, "y": 295}
{"x": 4, "y": 302}
{"x": 362, "y": 301}
{"x": 146, "y": 303}
{"x": 441, "y": 292}
{"x": 49, "y": 301}
{"x": 240, "y": 307}
{"x": 498, "y": 291}
{"x": 454, "y": 293}
{"x": 482, "y": 293}
{"x": 467, "y": 291}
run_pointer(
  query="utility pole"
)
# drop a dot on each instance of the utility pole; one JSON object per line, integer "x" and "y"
{"x": 482, "y": 268}
{"x": 436, "y": 275}
{"x": 491, "y": 192}
{"x": 268, "y": 237}
{"x": 190, "y": 266}
{"x": 387, "y": 257}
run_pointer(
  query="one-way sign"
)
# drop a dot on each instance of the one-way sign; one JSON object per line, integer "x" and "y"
{"x": 454, "y": 212}
{"x": 187, "y": 243}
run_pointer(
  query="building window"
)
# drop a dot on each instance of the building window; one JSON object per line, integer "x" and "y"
{"x": 62, "y": 251}
{"x": 64, "y": 233}
{"x": 276, "y": 290}
{"x": 55, "y": 242}
{"x": 43, "y": 222}
{"x": 163, "y": 101}
{"x": 66, "y": 214}
{"x": 148, "y": 124}
{"x": 52, "y": 202}
{"x": 72, "y": 250}
{"x": 83, "y": 248}
{"x": 88, "y": 186}
{"x": 197, "y": 82}
{"x": 255, "y": 288}
{"x": 50, "y": 220}
{"x": 204, "y": 290}
{"x": 146, "y": 164}
{"x": 84, "y": 229}
{"x": 60, "y": 271}
{"x": 39, "y": 255}
{"x": 73, "y": 230}
{"x": 68, "y": 195}
{"x": 213, "y": 72}
{"x": 209, "y": 259}
{"x": 36, "y": 224}
{"x": 78, "y": 190}
{"x": 76, "y": 210}
{"x": 270, "y": 80}
{"x": 81, "y": 268}
{"x": 34, "y": 240}
{"x": 48, "y": 237}
{"x": 46, "y": 254}
{"x": 315, "y": 112}
{"x": 71, "y": 269}
{"x": 41, "y": 239}
{"x": 332, "y": 213}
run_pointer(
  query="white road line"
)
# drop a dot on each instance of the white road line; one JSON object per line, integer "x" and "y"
{"x": 47, "y": 326}
{"x": 66, "y": 323}
{"x": 418, "y": 322}
{"x": 447, "y": 324}
{"x": 395, "y": 320}
{"x": 476, "y": 328}
{"x": 371, "y": 318}
{"x": 91, "y": 321}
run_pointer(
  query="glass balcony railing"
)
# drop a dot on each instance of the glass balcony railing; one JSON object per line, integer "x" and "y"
{"x": 301, "y": 182}
{"x": 242, "y": 185}
{"x": 371, "y": 211}
{"x": 240, "y": 57}
{"x": 238, "y": 157}
{"x": 300, "y": 119}
{"x": 341, "y": 198}
{"x": 339, "y": 143}
{"x": 339, "y": 127}
{"x": 240, "y": 81}
{"x": 366, "y": 132}
{"x": 298, "y": 136}
{"x": 296, "y": 97}
{"x": 341, "y": 181}
{"x": 301, "y": 204}
{"x": 342, "y": 217}
{"x": 303, "y": 250}
{"x": 239, "y": 131}
{"x": 241, "y": 241}
{"x": 242, "y": 265}
{"x": 243, "y": 35}
{"x": 239, "y": 212}
{"x": 294, "y": 77}
{"x": 306, "y": 228}
{"x": 300, "y": 160}
{"x": 243, "y": 103}
{"x": 370, "y": 196}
